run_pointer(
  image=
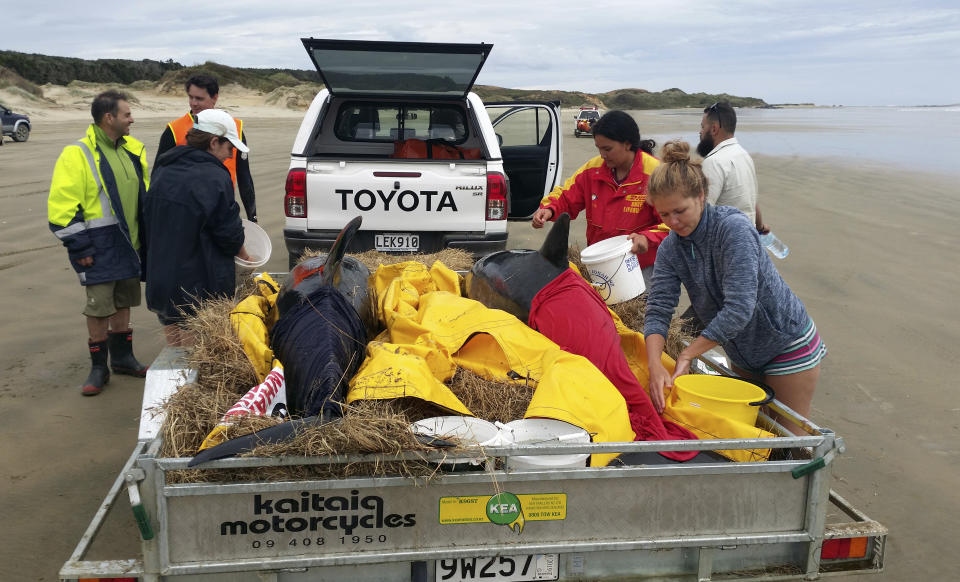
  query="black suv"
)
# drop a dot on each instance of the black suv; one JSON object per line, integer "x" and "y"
{"x": 16, "y": 125}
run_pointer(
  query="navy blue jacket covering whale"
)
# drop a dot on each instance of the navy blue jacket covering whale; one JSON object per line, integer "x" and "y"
{"x": 320, "y": 338}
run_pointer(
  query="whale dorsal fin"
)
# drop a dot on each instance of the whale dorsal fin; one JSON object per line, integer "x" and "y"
{"x": 331, "y": 268}
{"x": 555, "y": 247}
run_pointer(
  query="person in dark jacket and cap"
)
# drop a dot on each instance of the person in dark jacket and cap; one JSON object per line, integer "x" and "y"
{"x": 192, "y": 224}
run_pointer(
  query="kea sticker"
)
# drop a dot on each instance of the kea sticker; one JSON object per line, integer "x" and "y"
{"x": 505, "y": 509}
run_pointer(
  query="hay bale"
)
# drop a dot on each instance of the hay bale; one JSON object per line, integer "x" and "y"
{"x": 489, "y": 399}
{"x": 217, "y": 353}
{"x": 224, "y": 374}
{"x": 370, "y": 426}
{"x": 191, "y": 413}
{"x": 455, "y": 259}
{"x": 631, "y": 313}
{"x": 573, "y": 255}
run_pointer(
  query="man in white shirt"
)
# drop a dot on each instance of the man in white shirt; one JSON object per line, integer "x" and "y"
{"x": 731, "y": 177}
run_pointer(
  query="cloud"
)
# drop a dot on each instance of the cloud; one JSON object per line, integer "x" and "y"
{"x": 789, "y": 50}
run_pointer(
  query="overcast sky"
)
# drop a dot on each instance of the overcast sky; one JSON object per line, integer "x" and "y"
{"x": 859, "y": 52}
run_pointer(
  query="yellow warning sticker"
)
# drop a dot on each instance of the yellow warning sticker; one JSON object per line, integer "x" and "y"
{"x": 504, "y": 509}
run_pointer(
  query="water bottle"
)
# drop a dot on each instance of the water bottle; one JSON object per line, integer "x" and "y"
{"x": 774, "y": 245}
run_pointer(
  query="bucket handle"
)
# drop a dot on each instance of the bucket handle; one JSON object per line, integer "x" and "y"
{"x": 769, "y": 391}
{"x": 604, "y": 288}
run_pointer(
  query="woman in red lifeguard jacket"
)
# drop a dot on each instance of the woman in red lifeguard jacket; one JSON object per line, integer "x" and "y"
{"x": 612, "y": 189}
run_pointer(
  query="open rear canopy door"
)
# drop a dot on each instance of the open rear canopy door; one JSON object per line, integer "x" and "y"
{"x": 409, "y": 69}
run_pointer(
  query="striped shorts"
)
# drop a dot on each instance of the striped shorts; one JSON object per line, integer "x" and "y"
{"x": 803, "y": 354}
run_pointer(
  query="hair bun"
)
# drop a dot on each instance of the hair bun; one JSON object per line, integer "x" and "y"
{"x": 675, "y": 151}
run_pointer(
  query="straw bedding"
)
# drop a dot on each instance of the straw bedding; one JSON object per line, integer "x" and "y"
{"x": 224, "y": 374}
{"x": 456, "y": 259}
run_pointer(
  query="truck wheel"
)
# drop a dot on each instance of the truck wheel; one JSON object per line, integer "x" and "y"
{"x": 21, "y": 133}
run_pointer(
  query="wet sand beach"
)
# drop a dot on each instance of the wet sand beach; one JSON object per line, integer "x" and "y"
{"x": 871, "y": 256}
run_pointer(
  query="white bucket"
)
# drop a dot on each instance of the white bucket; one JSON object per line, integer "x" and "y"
{"x": 614, "y": 269}
{"x": 257, "y": 244}
{"x": 466, "y": 431}
{"x": 544, "y": 431}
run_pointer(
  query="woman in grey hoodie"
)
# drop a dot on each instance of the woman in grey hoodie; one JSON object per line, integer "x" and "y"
{"x": 715, "y": 252}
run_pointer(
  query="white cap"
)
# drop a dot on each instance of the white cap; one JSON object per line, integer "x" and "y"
{"x": 221, "y": 124}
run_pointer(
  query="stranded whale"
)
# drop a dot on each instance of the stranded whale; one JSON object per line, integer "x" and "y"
{"x": 320, "y": 338}
{"x": 509, "y": 280}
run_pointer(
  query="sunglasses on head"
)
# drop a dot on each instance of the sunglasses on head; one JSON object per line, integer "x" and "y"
{"x": 715, "y": 109}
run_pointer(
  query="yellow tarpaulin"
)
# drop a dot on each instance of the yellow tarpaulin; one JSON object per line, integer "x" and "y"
{"x": 431, "y": 330}
{"x": 252, "y": 319}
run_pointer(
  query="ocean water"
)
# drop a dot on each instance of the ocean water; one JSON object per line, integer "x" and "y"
{"x": 925, "y": 139}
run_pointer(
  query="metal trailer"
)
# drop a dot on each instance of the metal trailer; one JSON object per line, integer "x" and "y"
{"x": 699, "y": 521}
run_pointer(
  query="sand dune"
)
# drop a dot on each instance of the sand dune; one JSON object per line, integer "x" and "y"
{"x": 61, "y": 103}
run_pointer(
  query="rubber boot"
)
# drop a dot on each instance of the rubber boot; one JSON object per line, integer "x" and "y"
{"x": 99, "y": 372}
{"x": 121, "y": 355}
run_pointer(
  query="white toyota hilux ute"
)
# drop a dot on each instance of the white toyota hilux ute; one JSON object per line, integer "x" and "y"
{"x": 397, "y": 137}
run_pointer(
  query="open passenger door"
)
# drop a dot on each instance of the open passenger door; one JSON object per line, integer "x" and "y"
{"x": 530, "y": 144}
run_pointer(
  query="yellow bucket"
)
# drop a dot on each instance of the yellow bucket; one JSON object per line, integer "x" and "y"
{"x": 727, "y": 397}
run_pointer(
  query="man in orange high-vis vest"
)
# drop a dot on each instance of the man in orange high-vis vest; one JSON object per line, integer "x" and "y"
{"x": 203, "y": 91}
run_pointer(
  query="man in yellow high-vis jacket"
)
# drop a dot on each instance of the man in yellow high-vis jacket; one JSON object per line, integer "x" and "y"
{"x": 93, "y": 208}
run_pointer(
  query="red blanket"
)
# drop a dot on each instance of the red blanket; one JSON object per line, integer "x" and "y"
{"x": 570, "y": 312}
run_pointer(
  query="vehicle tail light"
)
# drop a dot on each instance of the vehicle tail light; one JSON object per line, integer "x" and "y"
{"x": 295, "y": 199}
{"x": 844, "y": 548}
{"x": 496, "y": 196}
